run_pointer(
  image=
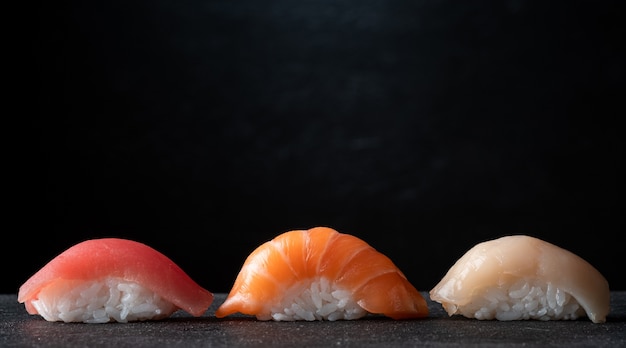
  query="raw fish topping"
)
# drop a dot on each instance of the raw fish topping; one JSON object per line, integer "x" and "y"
{"x": 521, "y": 277}
{"x": 321, "y": 274}
{"x": 111, "y": 279}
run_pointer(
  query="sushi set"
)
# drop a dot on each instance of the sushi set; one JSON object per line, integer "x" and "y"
{"x": 322, "y": 275}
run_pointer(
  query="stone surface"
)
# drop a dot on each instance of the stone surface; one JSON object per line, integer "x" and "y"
{"x": 19, "y": 329}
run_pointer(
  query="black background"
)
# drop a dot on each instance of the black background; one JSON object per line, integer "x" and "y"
{"x": 205, "y": 128}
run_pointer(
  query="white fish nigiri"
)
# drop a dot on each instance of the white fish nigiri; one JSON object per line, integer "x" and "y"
{"x": 520, "y": 277}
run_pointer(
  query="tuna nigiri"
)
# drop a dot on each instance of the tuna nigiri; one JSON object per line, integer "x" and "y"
{"x": 111, "y": 279}
{"x": 520, "y": 277}
{"x": 321, "y": 274}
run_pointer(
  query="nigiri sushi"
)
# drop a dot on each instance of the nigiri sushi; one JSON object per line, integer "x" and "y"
{"x": 520, "y": 277}
{"x": 321, "y": 274}
{"x": 111, "y": 280}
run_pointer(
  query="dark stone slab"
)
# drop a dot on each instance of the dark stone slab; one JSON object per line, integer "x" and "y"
{"x": 19, "y": 329}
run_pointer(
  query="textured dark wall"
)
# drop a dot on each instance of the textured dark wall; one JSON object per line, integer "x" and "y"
{"x": 204, "y": 128}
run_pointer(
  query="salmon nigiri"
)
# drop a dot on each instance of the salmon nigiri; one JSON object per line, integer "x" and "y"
{"x": 321, "y": 274}
{"x": 111, "y": 279}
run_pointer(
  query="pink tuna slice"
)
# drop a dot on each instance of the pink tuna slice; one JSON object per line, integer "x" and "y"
{"x": 113, "y": 257}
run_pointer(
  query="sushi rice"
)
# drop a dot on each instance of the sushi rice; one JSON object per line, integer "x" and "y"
{"x": 523, "y": 300}
{"x": 101, "y": 301}
{"x": 318, "y": 301}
